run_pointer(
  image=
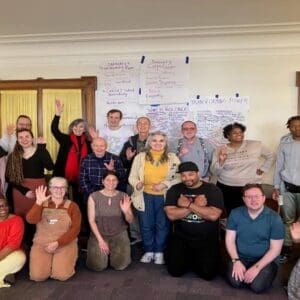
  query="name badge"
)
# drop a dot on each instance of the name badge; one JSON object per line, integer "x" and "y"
{"x": 52, "y": 221}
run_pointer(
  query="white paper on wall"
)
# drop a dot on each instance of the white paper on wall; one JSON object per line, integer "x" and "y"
{"x": 164, "y": 81}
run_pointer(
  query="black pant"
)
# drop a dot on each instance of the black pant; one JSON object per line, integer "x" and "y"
{"x": 261, "y": 282}
{"x": 233, "y": 196}
{"x": 199, "y": 255}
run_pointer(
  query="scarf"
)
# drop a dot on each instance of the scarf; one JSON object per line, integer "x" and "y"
{"x": 76, "y": 153}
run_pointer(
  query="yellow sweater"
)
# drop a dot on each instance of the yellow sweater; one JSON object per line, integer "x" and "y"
{"x": 155, "y": 173}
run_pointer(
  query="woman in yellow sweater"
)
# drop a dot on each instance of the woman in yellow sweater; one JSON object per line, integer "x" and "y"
{"x": 152, "y": 173}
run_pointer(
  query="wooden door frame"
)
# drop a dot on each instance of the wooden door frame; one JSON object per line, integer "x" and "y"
{"x": 87, "y": 84}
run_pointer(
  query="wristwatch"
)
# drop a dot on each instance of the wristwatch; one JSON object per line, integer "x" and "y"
{"x": 234, "y": 260}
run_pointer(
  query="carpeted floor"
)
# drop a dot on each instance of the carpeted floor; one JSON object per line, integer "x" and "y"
{"x": 139, "y": 281}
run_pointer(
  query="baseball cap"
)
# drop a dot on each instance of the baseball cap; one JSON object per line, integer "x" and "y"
{"x": 187, "y": 166}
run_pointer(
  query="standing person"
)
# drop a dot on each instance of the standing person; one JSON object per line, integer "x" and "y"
{"x": 287, "y": 180}
{"x": 109, "y": 211}
{"x": 73, "y": 148}
{"x": 7, "y": 143}
{"x": 12, "y": 258}
{"x": 114, "y": 133}
{"x": 194, "y": 207}
{"x": 8, "y": 140}
{"x": 195, "y": 149}
{"x": 96, "y": 164}
{"x": 294, "y": 281}
{"x": 131, "y": 148}
{"x": 25, "y": 170}
{"x": 238, "y": 163}
{"x": 152, "y": 173}
{"x": 254, "y": 237}
{"x": 54, "y": 251}
{"x": 135, "y": 143}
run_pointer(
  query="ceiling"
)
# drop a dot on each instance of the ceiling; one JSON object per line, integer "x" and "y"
{"x": 68, "y": 16}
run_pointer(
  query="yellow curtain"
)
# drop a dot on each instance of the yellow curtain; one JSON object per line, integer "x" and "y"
{"x": 15, "y": 103}
{"x": 71, "y": 100}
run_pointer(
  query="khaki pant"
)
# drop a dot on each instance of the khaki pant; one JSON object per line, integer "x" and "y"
{"x": 59, "y": 265}
{"x": 119, "y": 256}
{"x": 11, "y": 264}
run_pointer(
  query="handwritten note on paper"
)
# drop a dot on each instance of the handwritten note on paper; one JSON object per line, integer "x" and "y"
{"x": 164, "y": 81}
{"x": 211, "y": 114}
{"x": 118, "y": 82}
{"x": 167, "y": 118}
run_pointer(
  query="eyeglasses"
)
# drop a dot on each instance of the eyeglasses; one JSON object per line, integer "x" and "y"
{"x": 3, "y": 205}
{"x": 58, "y": 188}
{"x": 255, "y": 197}
{"x": 188, "y": 128}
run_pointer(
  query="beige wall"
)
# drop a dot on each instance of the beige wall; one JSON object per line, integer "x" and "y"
{"x": 259, "y": 62}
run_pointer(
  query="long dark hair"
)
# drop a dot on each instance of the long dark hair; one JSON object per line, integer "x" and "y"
{"x": 14, "y": 166}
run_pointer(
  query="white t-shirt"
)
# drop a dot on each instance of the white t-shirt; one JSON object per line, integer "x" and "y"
{"x": 116, "y": 138}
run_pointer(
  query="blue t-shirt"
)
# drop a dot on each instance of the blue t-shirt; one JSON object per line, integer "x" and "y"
{"x": 253, "y": 235}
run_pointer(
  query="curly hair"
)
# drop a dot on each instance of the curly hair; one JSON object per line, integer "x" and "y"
{"x": 228, "y": 128}
{"x": 291, "y": 119}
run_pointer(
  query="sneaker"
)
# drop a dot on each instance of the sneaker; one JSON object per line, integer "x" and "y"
{"x": 285, "y": 254}
{"x": 147, "y": 257}
{"x": 159, "y": 258}
{"x": 10, "y": 279}
{"x": 134, "y": 241}
{"x": 283, "y": 258}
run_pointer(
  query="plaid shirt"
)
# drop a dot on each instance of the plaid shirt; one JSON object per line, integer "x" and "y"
{"x": 93, "y": 168}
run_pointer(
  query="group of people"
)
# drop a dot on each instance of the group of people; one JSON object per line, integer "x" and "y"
{"x": 161, "y": 191}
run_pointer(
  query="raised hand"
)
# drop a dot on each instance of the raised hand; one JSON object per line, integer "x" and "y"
{"x": 125, "y": 204}
{"x": 59, "y": 107}
{"x": 130, "y": 153}
{"x": 110, "y": 166}
{"x": 41, "y": 140}
{"x": 10, "y": 129}
{"x": 222, "y": 156}
{"x": 93, "y": 132}
{"x": 40, "y": 194}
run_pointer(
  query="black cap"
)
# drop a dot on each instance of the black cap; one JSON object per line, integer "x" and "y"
{"x": 187, "y": 166}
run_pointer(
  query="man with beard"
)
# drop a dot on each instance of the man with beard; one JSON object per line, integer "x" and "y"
{"x": 194, "y": 207}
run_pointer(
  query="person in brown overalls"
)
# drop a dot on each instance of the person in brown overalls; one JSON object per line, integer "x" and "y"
{"x": 54, "y": 251}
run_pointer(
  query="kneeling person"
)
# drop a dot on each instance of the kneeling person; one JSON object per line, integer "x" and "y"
{"x": 54, "y": 251}
{"x": 194, "y": 208}
{"x": 108, "y": 212}
{"x": 12, "y": 258}
{"x": 254, "y": 237}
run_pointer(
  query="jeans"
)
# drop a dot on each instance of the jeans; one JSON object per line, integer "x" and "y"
{"x": 154, "y": 224}
{"x": 291, "y": 213}
{"x": 261, "y": 282}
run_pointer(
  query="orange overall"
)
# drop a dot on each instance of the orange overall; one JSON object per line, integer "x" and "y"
{"x": 60, "y": 264}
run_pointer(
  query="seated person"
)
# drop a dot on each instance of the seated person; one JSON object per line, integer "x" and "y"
{"x": 294, "y": 281}
{"x": 108, "y": 212}
{"x": 194, "y": 207}
{"x": 254, "y": 238}
{"x": 12, "y": 258}
{"x": 54, "y": 251}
